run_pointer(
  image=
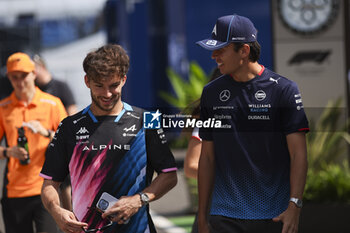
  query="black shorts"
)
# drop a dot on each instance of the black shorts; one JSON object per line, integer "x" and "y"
{"x": 20, "y": 213}
{"x": 221, "y": 224}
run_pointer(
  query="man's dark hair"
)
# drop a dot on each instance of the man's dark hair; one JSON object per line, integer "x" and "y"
{"x": 106, "y": 61}
{"x": 254, "y": 50}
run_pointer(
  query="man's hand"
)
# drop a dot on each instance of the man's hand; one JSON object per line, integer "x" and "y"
{"x": 125, "y": 207}
{"x": 289, "y": 218}
{"x": 17, "y": 152}
{"x": 36, "y": 127}
{"x": 67, "y": 221}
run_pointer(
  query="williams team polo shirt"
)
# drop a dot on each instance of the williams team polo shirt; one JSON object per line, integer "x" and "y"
{"x": 251, "y": 154}
{"x": 24, "y": 180}
{"x": 112, "y": 154}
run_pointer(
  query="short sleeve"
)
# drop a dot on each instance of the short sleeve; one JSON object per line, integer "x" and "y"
{"x": 205, "y": 113}
{"x": 195, "y": 134}
{"x": 158, "y": 152}
{"x": 57, "y": 157}
{"x": 292, "y": 111}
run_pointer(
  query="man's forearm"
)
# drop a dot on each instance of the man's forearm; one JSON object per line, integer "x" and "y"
{"x": 162, "y": 184}
{"x": 298, "y": 163}
{"x": 50, "y": 197}
{"x": 298, "y": 172}
{"x": 65, "y": 219}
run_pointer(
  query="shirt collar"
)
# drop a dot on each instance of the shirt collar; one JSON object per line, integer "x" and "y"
{"x": 35, "y": 101}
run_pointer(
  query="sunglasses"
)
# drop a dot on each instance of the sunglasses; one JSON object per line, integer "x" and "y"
{"x": 110, "y": 223}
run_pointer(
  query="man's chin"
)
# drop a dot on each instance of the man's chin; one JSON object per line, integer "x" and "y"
{"x": 107, "y": 108}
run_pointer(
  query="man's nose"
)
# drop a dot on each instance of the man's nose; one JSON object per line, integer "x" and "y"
{"x": 107, "y": 92}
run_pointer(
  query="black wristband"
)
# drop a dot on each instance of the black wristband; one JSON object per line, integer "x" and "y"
{"x": 4, "y": 152}
{"x": 48, "y": 134}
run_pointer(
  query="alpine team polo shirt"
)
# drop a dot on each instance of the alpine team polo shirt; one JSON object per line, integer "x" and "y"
{"x": 112, "y": 154}
{"x": 24, "y": 180}
{"x": 251, "y": 154}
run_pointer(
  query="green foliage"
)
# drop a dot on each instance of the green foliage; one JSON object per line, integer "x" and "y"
{"x": 325, "y": 143}
{"x": 187, "y": 94}
{"x": 331, "y": 184}
{"x": 328, "y": 179}
{"x": 186, "y": 91}
{"x": 180, "y": 142}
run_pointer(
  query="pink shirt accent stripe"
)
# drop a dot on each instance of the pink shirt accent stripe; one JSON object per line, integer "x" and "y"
{"x": 169, "y": 169}
{"x": 45, "y": 176}
{"x": 303, "y": 129}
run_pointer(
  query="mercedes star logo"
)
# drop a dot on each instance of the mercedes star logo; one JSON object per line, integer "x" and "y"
{"x": 225, "y": 95}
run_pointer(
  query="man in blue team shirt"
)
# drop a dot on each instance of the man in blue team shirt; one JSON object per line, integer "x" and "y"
{"x": 108, "y": 155}
{"x": 254, "y": 167}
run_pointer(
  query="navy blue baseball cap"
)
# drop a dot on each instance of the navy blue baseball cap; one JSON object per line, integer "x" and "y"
{"x": 230, "y": 28}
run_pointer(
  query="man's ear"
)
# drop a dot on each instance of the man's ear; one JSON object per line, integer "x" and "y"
{"x": 87, "y": 81}
{"x": 124, "y": 80}
{"x": 34, "y": 73}
{"x": 245, "y": 50}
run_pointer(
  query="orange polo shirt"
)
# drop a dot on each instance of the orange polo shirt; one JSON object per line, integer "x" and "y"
{"x": 24, "y": 180}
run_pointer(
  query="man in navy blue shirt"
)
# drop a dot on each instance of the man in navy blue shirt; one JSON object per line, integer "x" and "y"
{"x": 253, "y": 168}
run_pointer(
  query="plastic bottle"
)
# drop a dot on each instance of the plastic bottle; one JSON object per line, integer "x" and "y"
{"x": 23, "y": 142}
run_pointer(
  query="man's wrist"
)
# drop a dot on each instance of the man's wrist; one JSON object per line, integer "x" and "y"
{"x": 296, "y": 201}
{"x": 202, "y": 219}
{"x": 4, "y": 153}
{"x": 48, "y": 134}
{"x": 54, "y": 209}
{"x": 144, "y": 198}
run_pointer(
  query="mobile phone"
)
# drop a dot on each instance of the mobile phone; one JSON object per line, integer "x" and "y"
{"x": 106, "y": 201}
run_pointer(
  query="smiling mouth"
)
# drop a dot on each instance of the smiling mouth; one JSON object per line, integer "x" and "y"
{"x": 107, "y": 101}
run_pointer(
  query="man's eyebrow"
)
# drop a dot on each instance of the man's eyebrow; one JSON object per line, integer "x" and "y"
{"x": 118, "y": 82}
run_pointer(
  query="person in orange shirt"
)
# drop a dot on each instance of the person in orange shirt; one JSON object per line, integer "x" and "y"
{"x": 38, "y": 114}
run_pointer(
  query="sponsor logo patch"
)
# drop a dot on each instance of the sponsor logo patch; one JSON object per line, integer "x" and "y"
{"x": 211, "y": 42}
{"x": 82, "y": 130}
{"x": 260, "y": 95}
{"x": 225, "y": 95}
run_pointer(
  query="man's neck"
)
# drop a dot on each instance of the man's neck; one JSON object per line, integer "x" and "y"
{"x": 26, "y": 96}
{"x": 247, "y": 72}
{"x": 114, "y": 112}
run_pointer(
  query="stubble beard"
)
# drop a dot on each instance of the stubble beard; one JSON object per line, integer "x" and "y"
{"x": 95, "y": 100}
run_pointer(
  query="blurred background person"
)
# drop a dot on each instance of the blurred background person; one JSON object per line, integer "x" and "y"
{"x": 28, "y": 119}
{"x": 5, "y": 87}
{"x": 47, "y": 83}
{"x": 194, "y": 146}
